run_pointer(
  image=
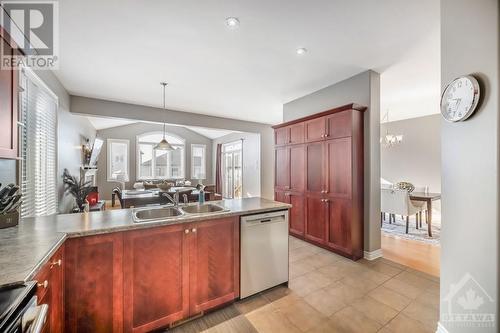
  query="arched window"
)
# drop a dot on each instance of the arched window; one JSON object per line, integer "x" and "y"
{"x": 160, "y": 164}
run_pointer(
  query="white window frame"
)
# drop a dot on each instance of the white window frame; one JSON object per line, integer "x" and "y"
{"x": 153, "y": 166}
{"x": 109, "y": 144}
{"x": 204, "y": 160}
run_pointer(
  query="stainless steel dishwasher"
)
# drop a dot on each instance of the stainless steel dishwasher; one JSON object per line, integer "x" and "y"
{"x": 264, "y": 252}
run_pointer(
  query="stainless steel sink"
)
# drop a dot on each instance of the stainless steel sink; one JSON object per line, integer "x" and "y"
{"x": 203, "y": 209}
{"x": 156, "y": 214}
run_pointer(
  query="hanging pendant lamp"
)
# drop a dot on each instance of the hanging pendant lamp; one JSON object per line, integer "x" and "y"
{"x": 163, "y": 144}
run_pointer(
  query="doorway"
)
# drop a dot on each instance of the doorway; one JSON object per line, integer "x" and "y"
{"x": 232, "y": 170}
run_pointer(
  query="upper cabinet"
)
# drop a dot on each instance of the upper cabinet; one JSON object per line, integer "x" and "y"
{"x": 289, "y": 135}
{"x": 8, "y": 101}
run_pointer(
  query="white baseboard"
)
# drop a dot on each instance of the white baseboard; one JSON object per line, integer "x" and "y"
{"x": 441, "y": 329}
{"x": 373, "y": 254}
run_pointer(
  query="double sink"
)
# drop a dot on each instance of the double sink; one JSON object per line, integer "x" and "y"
{"x": 164, "y": 213}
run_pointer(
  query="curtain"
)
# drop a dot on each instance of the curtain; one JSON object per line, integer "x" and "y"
{"x": 218, "y": 169}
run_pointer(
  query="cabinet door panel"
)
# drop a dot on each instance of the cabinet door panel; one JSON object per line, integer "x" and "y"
{"x": 315, "y": 129}
{"x": 93, "y": 284}
{"x": 315, "y": 219}
{"x": 297, "y": 214}
{"x": 155, "y": 277}
{"x": 8, "y": 104}
{"x": 281, "y": 136}
{"x": 214, "y": 263}
{"x": 339, "y": 125}
{"x": 297, "y": 165}
{"x": 297, "y": 133}
{"x": 282, "y": 168}
{"x": 339, "y": 167}
{"x": 339, "y": 224}
{"x": 314, "y": 167}
{"x": 281, "y": 196}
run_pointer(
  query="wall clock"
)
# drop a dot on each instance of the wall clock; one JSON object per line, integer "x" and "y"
{"x": 460, "y": 98}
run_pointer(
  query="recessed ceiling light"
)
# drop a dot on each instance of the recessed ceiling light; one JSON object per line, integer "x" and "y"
{"x": 301, "y": 51}
{"x": 232, "y": 22}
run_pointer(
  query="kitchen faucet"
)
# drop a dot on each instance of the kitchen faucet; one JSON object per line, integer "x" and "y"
{"x": 175, "y": 198}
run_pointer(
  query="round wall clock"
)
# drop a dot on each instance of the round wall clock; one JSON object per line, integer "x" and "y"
{"x": 460, "y": 98}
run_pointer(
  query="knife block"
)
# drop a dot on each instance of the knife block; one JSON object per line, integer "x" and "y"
{"x": 9, "y": 219}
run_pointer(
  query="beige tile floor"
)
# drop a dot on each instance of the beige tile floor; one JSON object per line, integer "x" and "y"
{"x": 328, "y": 293}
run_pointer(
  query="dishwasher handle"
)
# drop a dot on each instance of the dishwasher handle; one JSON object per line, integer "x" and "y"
{"x": 34, "y": 318}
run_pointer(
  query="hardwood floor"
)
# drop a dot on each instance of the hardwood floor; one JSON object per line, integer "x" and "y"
{"x": 417, "y": 255}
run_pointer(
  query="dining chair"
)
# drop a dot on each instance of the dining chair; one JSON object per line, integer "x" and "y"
{"x": 421, "y": 204}
{"x": 395, "y": 201}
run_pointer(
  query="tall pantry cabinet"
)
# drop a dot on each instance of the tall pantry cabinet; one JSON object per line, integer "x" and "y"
{"x": 319, "y": 170}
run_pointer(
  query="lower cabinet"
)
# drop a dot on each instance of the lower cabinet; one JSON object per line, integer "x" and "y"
{"x": 297, "y": 212}
{"x": 94, "y": 284}
{"x": 155, "y": 275}
{"x": 214, "y": 264}
{"x": 316, "y": 227}
{"x": 142, "y": 280}
{"x": 50, "y": 291}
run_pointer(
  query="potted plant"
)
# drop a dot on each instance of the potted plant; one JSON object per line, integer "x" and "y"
{"x": 77, "y": 188}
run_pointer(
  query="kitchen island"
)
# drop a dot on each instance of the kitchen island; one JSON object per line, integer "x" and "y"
{"x": 125, "y": 276}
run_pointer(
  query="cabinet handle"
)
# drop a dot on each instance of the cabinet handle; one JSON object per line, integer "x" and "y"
{"x": 186, "y": 231}
{"x": 56, "y": 263}
{"x": 193, "y": 230}
{"x": 44, "y": 284}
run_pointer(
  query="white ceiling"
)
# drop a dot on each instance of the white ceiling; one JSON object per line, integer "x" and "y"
{"x": 100, "y": 123}
{"x": 121, "y": 50}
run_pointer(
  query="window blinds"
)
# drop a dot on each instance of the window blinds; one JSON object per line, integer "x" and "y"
{"x": 38, "y": 147}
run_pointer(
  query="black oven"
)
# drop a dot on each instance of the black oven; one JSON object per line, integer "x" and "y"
{"x": 19, "y": 312}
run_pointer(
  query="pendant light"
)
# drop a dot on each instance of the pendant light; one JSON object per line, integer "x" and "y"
{"x": 163, "y": 144}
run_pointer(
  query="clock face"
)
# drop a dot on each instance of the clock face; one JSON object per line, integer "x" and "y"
{"x": 460, "y": 98}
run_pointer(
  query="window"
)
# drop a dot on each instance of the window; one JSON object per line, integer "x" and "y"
{"x": 160, "y": 164}
{"x": 232, "y": 170}
{"x": 118, "y": 160}
{"x": 38, "y": 146}
{"x": 198, "y": 161}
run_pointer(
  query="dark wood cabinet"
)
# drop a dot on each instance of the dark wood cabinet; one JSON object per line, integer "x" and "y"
{"x": 8, "y": 100}
{"x": 94, "y": 284}
{"x": 175, "y": 272}
{"x": 214, "y": 257}
{"x": 281, "y": 136}
{"x": 50, "y": 291}
{"x": 297, "y": 213}
{"x": 297, "y": 156}
{"x": 155, "y": 277}
{"x": 326, "y": 193}
{"x": 315, "y": 219}
{"x": 314, "y": 167}
{"x": 282, "y": 163}
{"x": 296, "y": 133}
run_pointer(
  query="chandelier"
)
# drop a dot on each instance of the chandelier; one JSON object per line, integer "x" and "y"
{"x": 390, "y": 140}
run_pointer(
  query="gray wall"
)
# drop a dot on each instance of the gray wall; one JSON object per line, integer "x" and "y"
{"x": 130, "y": 132}
{"x": 251, "y": 160}
{"x": 470, "y": 162}
{"x": 363, "y": 89}
{"x": 97, "y": 107}
{"x": 418, "y": 158}
{"x": 72, "y": 131}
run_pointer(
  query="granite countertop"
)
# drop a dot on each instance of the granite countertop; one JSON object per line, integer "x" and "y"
{"x": 25, "y": 248}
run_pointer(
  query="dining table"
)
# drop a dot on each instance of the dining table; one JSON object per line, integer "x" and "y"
{"x": 138, "y": 198}
{"x": 427, "y": 197}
